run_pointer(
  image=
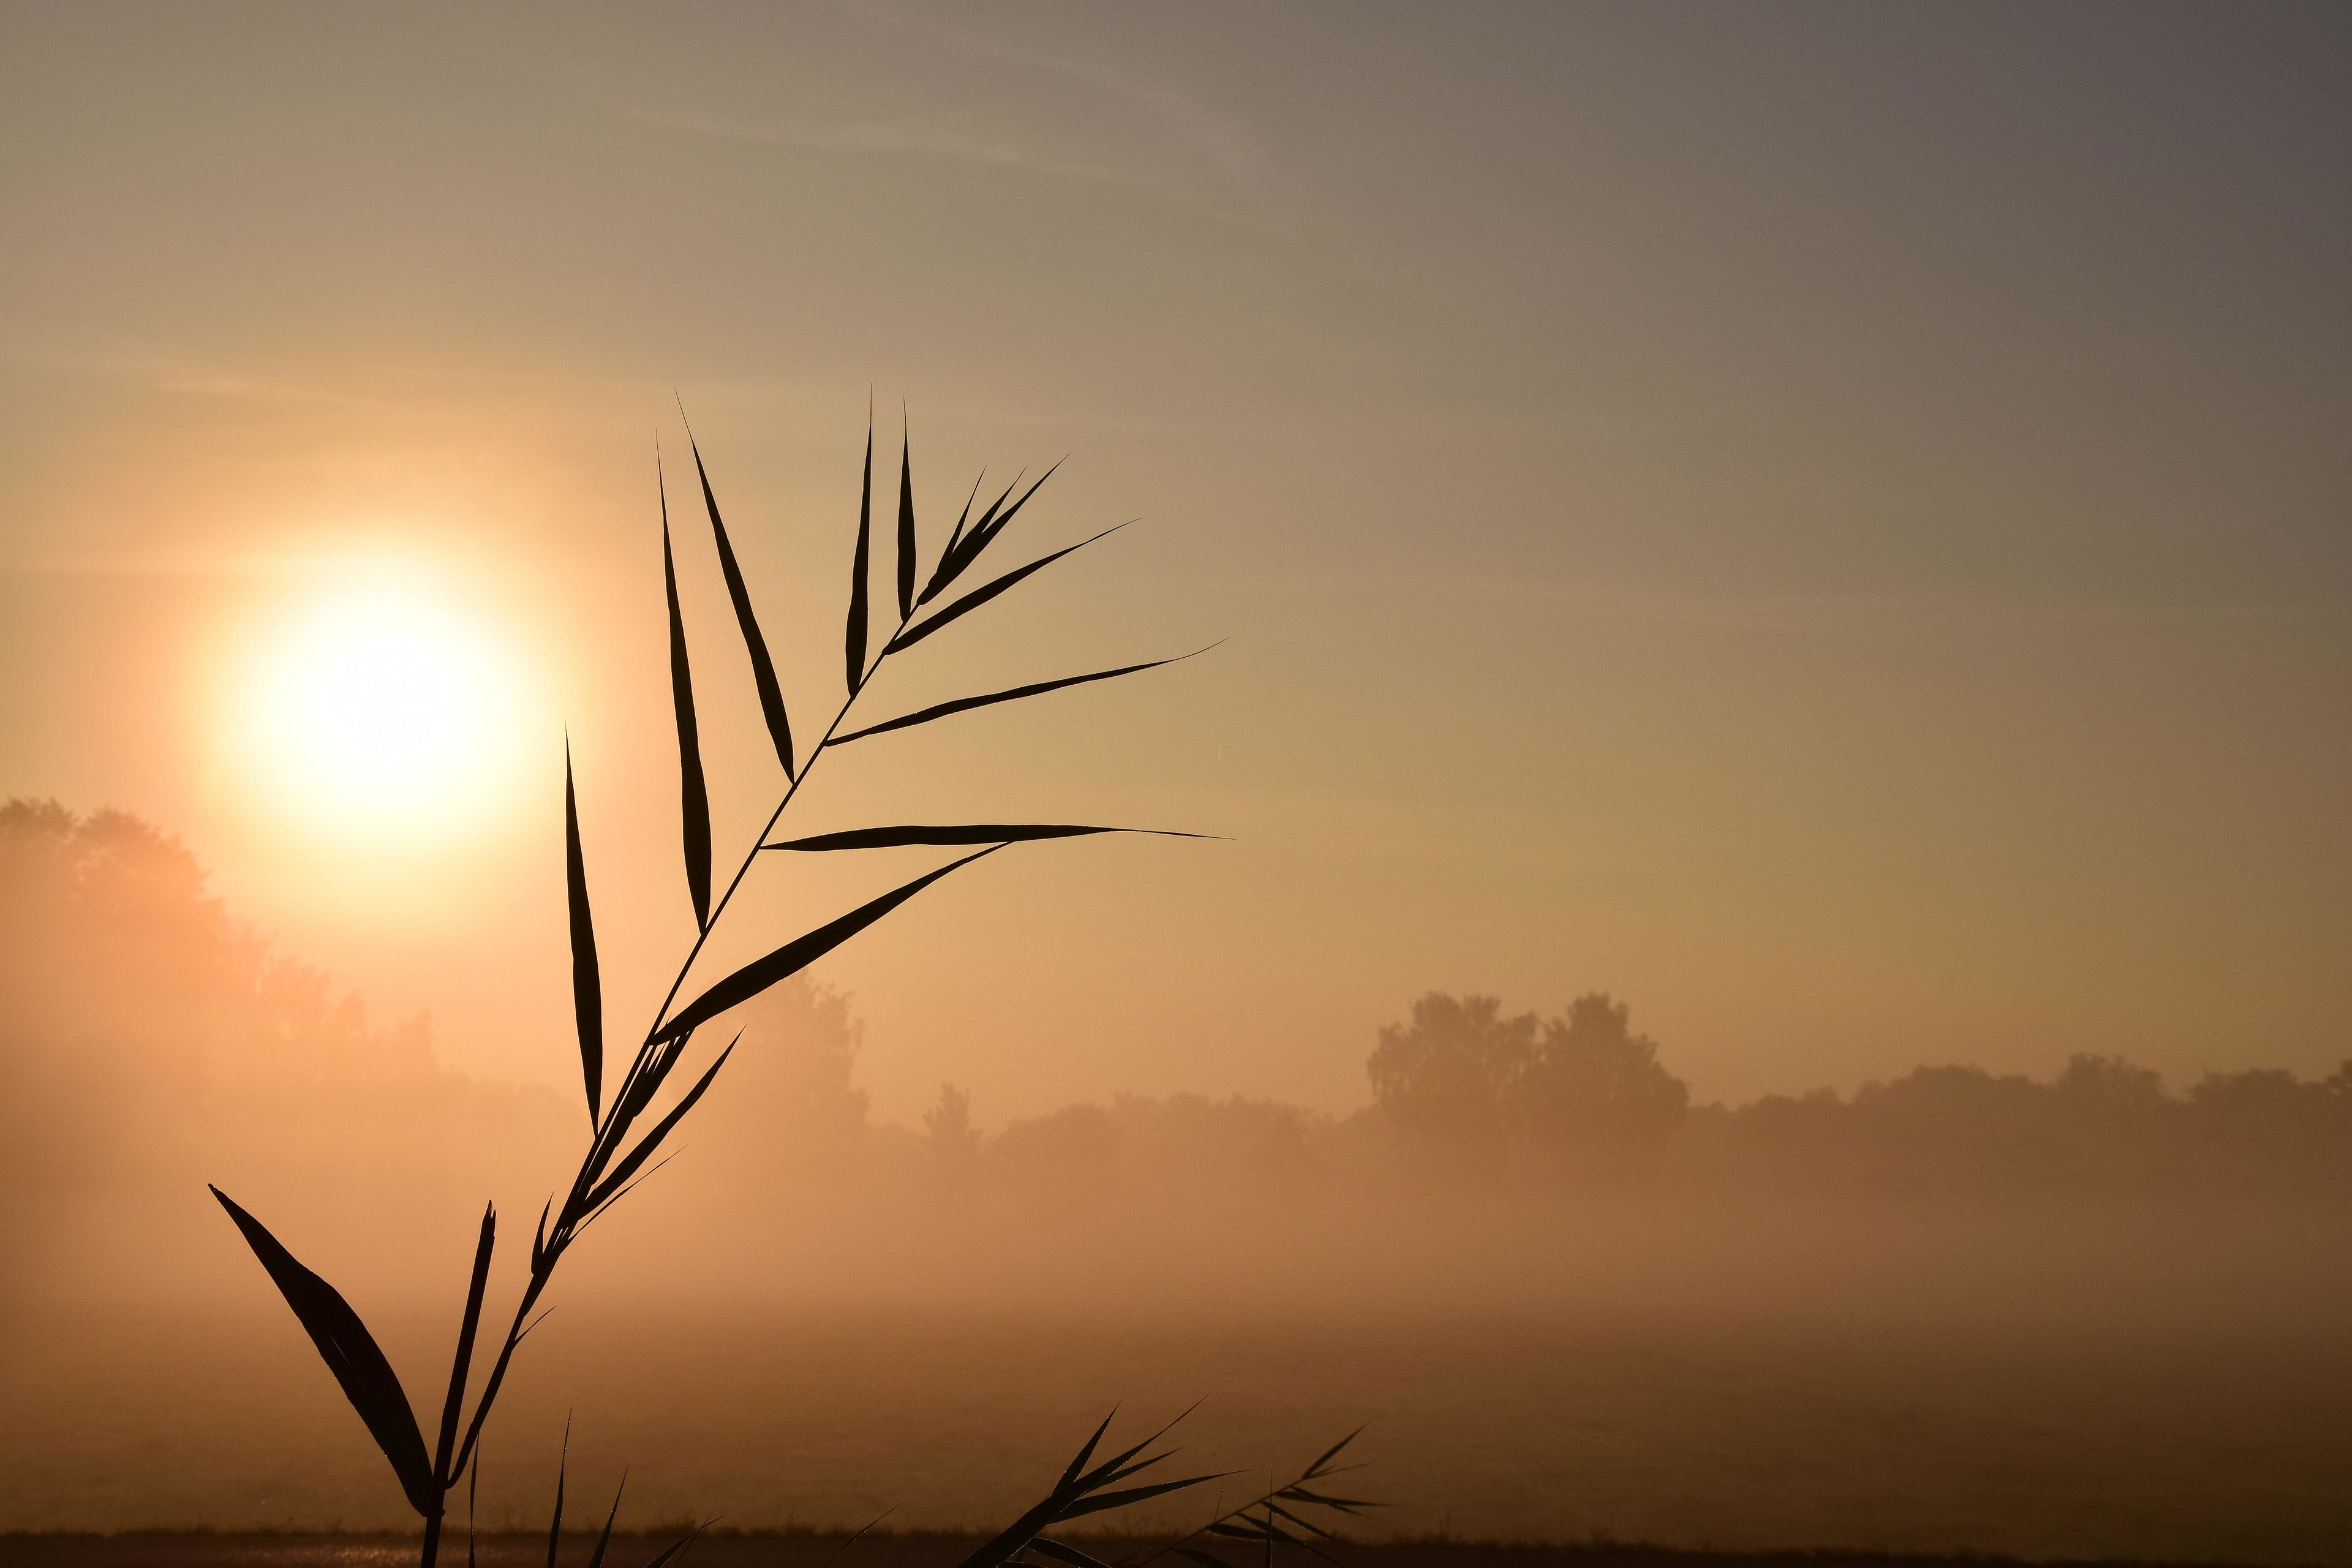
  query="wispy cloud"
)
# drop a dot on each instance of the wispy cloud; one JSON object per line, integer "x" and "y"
{"x": 903, "y": 137}
{"x": 1222, "y": 141}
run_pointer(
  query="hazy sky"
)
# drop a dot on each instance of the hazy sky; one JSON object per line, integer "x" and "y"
{"x": 1829, "y": 522}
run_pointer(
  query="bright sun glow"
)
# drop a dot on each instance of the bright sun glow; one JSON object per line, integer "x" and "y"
{"x": 378, "y": 709}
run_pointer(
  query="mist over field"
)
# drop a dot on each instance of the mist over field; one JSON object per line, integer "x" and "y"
{"x": 2090, "y": 1314}
{"x": 1633, "y": 778}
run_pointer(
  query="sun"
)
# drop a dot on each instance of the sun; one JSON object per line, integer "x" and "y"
{"x": 378, "y": 706}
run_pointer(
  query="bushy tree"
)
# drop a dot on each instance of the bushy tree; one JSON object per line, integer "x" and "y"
{"x": 1448, "y": 1081}
{"x": 1580, "y": 1098}
{"x": 1597, "y": 1105}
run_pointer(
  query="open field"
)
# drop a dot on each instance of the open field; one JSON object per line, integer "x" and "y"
{"x": 1760, "y": 1435}
{"x": 817, "y": 1551}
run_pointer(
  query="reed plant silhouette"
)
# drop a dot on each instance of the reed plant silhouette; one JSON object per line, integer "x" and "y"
{"x": 621, "y": 1150}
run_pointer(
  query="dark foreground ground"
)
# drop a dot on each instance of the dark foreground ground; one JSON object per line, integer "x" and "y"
{"x": 819, "y": 1550}
{"x": 2212, "y": 1444}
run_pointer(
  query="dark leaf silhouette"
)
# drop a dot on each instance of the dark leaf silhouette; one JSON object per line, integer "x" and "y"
{"x": 693, "y": 794}
{"x": 966, "y": 704}
{"x": 979, "y": 596}
{"x": 955, "y": 535}
{"x": 462, "y": 1363}
{"x": 1077, "y": 1466}
{"x": 352, "y": 1354}
{"x": 763, "y": 669}
{"x": 1103, "y": 1500}
{"x": 1061, "y": 1553}
{"x": 555, "y": 1531}
{"x": 983, "y": 533}
{"x": 1331, "y": 1454}
{"x": 799, "y": 953}
{"x": 962, "y": 833}
{"x": 597, "y": 1558}
{"x": 951, "y": 559}
{"x": 905, "y": 528}
{"x": 587, "y": 987}
{"x": 680, "y": 1544}
{"x": 855, "y": 647}
{"x": 1077, "y": 1494}
{"x": 986, "y": 536}
{"x": 635, "y": 1157}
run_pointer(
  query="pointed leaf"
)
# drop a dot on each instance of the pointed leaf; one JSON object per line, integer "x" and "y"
{"x": 1078, "y": 1465}
{"x": 906, "y": 530}
{"x": 1306, "y": 1524}
{"x": 1115, "y": 1466}
{"x": 798, "y": 954}
{"x": 855, "y": 647}
{"x": 587, "y": 988}
{"x": 462, "y": 1361}
{"x": 555, "y": 1531}
{"x": 955, "y": 536}
{"x": 965, "y": 704}
{"x": 1331, "y": 1454}
{"x": 1014, "y": 1538}
{"x": 1061, "y": 1553}
{"x": 960, "y": 833}
{"x": 983, "y": 537}
{"x": 1105, "y": 1501}
{"x": 979, "y": 596}
{"x": 763, "y": 669}
{"x": 652, "y": 1141}
{"x": 597, "y": 1558}
{"x": 984, "y": 532}
{"x": 352, "y": 1354}
{"x": 693, "y": 794}
{"x": 957, "y": 555}
{"x": 680, "y": 1544}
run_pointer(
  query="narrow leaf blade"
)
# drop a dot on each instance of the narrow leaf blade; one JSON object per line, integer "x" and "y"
{"x": 462, "y": 1363}
{"x": 555, "y": 1529}
{"x": 1014, "y": 694}
{"x": 674, "y": 1547}
{"x": 1078, "y": 1465}
{"x": 587, "y": 986}
{"x": 1331, "y": 1454}
{"x": 352, "y": 1354}
{"x": 961, "y": 551}
{"x": 947, "y": 553}
{"x": 597, "y": 1558}
{"x": 983, "y": 537}
{"x": 906, "y": 530}
{"x": 693, "y": 793}
{"x": 853, "y": 646}
{"x": 763, "y": 669}
{"x": 652, "y": 1141}
{"x": 799, "y": 953}
{"x": 981, "y": 595}
{"x": 958, "y": 833}
{"x": 1061, "y": 1553}
{"x": 1102, "y": 1502}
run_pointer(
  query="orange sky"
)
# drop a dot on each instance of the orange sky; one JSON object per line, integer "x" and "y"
{"x": 1828, "y": 523}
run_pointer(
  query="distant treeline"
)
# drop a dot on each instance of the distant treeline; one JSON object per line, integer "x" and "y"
{"x": 1583, "y": 1100}
{"x": 158, "y": 1038}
